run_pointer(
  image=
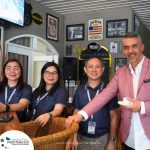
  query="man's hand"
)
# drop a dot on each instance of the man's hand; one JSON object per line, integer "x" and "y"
{"x": 136, "y": 106}
{"x": 110, "y": 146}
{"x": 76, "y": 118}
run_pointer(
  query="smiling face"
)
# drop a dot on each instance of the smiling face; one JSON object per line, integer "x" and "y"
{"x": 50, "y": 76}
{"x": 94, "y": 69}
{"x": 133, "y": 50}
{"x": 12, "y": 71}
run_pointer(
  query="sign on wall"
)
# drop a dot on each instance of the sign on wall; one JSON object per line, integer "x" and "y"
{"x": 95, "y": 29}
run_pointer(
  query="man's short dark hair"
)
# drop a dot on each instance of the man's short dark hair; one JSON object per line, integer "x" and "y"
{"x": 91, "y": 57}
{"x": 132, "y": 35}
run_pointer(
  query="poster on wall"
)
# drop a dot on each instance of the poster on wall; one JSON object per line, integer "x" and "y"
{"x": 113, "y": 47}
{"x": 52, "y": 24}
{"x": 95, "y": 29}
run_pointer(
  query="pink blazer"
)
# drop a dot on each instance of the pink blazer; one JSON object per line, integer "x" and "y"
{"x": 122, "y": 84}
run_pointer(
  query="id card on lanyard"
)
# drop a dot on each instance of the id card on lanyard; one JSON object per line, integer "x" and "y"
{"x": 91, "y": 127}
{"x": 37, "y": 103}
{"x": 7, "y": 100}
{"x": 92, "y": 124}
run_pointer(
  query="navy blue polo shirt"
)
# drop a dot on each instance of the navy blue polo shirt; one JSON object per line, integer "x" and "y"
{"x": 102, "y": 117}
{"x": 25, "y": 92}
{"x": 48, "y": 103}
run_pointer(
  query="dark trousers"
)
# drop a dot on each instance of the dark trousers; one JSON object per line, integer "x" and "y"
{"x": 125, "y": 147}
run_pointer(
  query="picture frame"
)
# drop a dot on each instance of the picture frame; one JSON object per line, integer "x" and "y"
{"x": 75, "y": 32}
{"x": 116, "y": 28}
{"x": 52, "y": 26}
{"x": 95, "y": 29}
{"x": 114, "y": 47}
{"x": 120, "y": 62}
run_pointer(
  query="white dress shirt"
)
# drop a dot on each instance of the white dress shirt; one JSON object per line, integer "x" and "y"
{"x": 137, "y": 138}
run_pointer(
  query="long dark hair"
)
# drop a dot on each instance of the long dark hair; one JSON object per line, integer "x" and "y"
{"x": 41, "y": 88}
{"x": 4, "y": 81}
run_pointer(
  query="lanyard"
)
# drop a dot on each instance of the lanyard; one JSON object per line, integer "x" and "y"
{"x": 7, "y": 101}
{"x": 37, "y": 103}
{"x": 88, "y": 93}
{"x": 39, "y": 99}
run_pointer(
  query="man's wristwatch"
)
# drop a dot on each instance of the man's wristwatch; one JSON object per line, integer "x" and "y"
{"x": 50, "y": 115}
{"x": 113, "y": 139}
{"x": 7, "y": 108}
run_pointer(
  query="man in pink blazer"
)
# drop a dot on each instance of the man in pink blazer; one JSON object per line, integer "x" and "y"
{"x": 131, "y": 82}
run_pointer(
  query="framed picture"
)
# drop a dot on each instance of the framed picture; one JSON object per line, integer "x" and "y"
{"x": 75, "y": 32}
{"x": 120, "y": 62}
{"x": 52, "y": 24}
{"x": 114, "y": 46}
{"x": 116, "y": 28}
{"x": 95, "y": 29}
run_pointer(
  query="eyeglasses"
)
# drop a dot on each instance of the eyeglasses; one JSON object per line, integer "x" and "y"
{"x": 127, "y": 47}
{"x": 14, "y": 69}
{"x": 48, "y": 73}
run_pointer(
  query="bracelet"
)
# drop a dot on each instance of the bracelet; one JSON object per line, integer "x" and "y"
{"x": 7, "y": 108}
{"x": 113, "y": 139}
{"x": 50, "y": 115}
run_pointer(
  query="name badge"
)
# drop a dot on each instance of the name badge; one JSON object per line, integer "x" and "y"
{"x": 91, "y": 127}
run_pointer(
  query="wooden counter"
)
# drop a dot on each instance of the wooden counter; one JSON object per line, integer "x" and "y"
{"x": 14, "y": 124}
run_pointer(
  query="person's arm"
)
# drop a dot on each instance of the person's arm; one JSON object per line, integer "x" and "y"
{"x": 58, "y": 109}
{"x": 97, "y": 102}
{"x": 147, "y": 107}
{"x": 23, "y": 103}
{"x": 75, "y": 142}
{"x": 44, "y": 118}
{"x": 114, "y": 123}
{"x": 143, "y": 107}
{"x": 75, "y": 137}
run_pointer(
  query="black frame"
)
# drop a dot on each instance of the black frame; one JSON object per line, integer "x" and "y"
{"x": 120, "y": 62}
{"x": 76, "y": 37}
{"x": 116, "y": 28}
{"x": 56, "y": 27}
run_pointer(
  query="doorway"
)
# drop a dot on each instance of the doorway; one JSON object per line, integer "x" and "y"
{"x": 33, "y": 52}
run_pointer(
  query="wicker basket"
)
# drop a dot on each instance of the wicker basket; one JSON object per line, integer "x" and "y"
{"x": 53, "y": 136}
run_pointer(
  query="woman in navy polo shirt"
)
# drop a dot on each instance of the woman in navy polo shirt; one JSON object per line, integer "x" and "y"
{"x": 14, "y": 93}
{"x": 49, "y": 98}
